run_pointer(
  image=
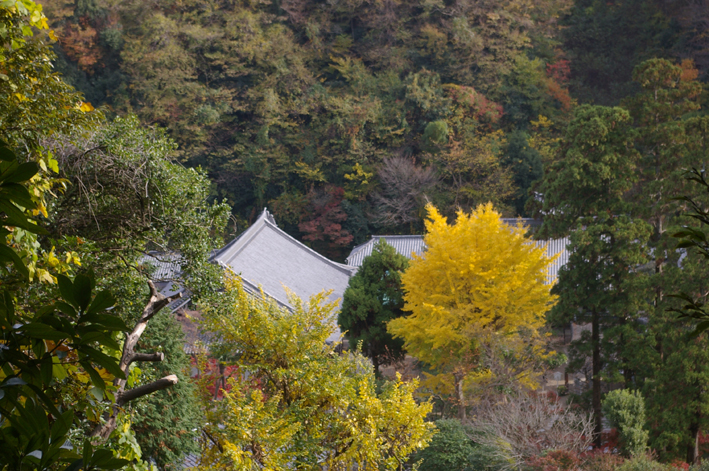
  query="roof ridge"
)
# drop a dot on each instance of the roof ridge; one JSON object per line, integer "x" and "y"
{"x": 292, "y": 239}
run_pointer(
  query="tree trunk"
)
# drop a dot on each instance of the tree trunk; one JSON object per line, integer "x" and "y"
{"x": 596, "y": 379}
{"x": 155, "y": 304}
{"x": 458, "y": 377}
{"x": 693, "y": 447}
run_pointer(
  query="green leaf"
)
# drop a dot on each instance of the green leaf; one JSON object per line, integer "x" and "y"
{"x": 67, "y": 309}
{"x": 109, "y": 363}
{"x": 102, "y": 301}
{"x": 104, "y": 459}
{"x": 40, "y": 330}
{"x": 701, "y": 327}
{"x": 46, "y": 369}
{"x": 22, "y": 173}
{"x": 9, "y": 255}
{"x": 97, "y": 393}
{"x": 66, "y": 288}
{"x": 83, "y": 285}
{"x": 15, "y": 217}
{"x": 6, "y": 155}
{"x": 108, "y": 321}
{"x": 88, "y": 451}
{"x": 96, "y": 378}
{"x": 61, "y": 426}
{"x": 18, "y": 194}
{"x": 75, "y": 466}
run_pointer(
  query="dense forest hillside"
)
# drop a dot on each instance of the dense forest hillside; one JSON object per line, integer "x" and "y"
{"x": 344, "y": 117}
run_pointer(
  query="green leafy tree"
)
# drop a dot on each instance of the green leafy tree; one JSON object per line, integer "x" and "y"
{"x": 625, "y": 410}
{"x": 43, "y": 350}
{"x": 373, "y": 298}
{"x": 584, "y": 196}
{"x": 127, "y": 196}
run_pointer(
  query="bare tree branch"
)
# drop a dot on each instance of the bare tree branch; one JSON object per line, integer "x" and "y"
{"x": 403, "y": 191}
{"x": 160, "y": 356}
{"x": 520, "y": 427}
{"x": 135, "y": 393}
{"x": 156, "y": 302}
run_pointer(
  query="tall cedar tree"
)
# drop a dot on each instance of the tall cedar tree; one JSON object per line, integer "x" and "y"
{"x": 584, "y": 196}
{"x": 677, "y": 394}
{"x": 670, "y": 140}
{"x": 479, "y": 283}
{"x": 373, "y": 298}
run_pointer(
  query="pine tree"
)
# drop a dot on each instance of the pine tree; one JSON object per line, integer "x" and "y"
{"x": 373, "y": 298}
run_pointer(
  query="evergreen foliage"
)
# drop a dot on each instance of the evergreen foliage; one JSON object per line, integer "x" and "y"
{"x": 373, "y": 298}
{"x": 607, "y": 241}
{"x": 451, "y": 448}
{"x": 625, "y": 410}
{"x": 167, "y": 422}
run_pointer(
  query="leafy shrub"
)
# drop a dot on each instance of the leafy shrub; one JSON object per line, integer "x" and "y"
{"x": 449, "y": 450}
{"x": 703, "y": 466}
{"x": 556, "y": 460}
{"x": 643, "y": 462}
{"x": 625, "y": 410}
{"x": 602, "y": 462}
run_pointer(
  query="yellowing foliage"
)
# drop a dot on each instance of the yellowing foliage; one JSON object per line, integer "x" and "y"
{"x": 291, "y": 401}
{"x": 479, "y": 286}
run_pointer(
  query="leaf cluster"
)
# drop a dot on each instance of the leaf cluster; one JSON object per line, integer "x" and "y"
{"x": 294, "y": 401}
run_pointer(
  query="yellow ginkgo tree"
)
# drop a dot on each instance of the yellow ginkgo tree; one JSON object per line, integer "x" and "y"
{"x": 478, "y": 292}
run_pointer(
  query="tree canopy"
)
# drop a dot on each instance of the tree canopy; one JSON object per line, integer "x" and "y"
{"x": 373, "y": 298}
{"x": 294, "y": 402}
{"x": 480, "y": 285}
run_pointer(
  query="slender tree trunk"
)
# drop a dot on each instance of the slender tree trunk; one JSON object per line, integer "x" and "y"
{"x": 693, "y": 447}
{"x": 596, "y": 379}
{"x": 155, "y": 304}
{"x": 458, "y": 377}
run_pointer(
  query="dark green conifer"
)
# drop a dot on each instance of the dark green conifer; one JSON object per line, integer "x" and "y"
{"x": 373, "y": 298}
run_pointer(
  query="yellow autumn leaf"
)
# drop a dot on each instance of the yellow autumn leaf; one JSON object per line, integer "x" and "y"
{"x": 479, "y": 284}
{"x": 86, "y": 107}
{"x": 45, "y": 276}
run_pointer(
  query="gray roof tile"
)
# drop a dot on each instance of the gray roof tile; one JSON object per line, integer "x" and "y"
{"x": 266, "y": 256}
{"x": 408, "y": 245}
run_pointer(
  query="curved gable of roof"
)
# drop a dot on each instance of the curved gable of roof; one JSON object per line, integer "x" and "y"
{"x": 264, "y": 255}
